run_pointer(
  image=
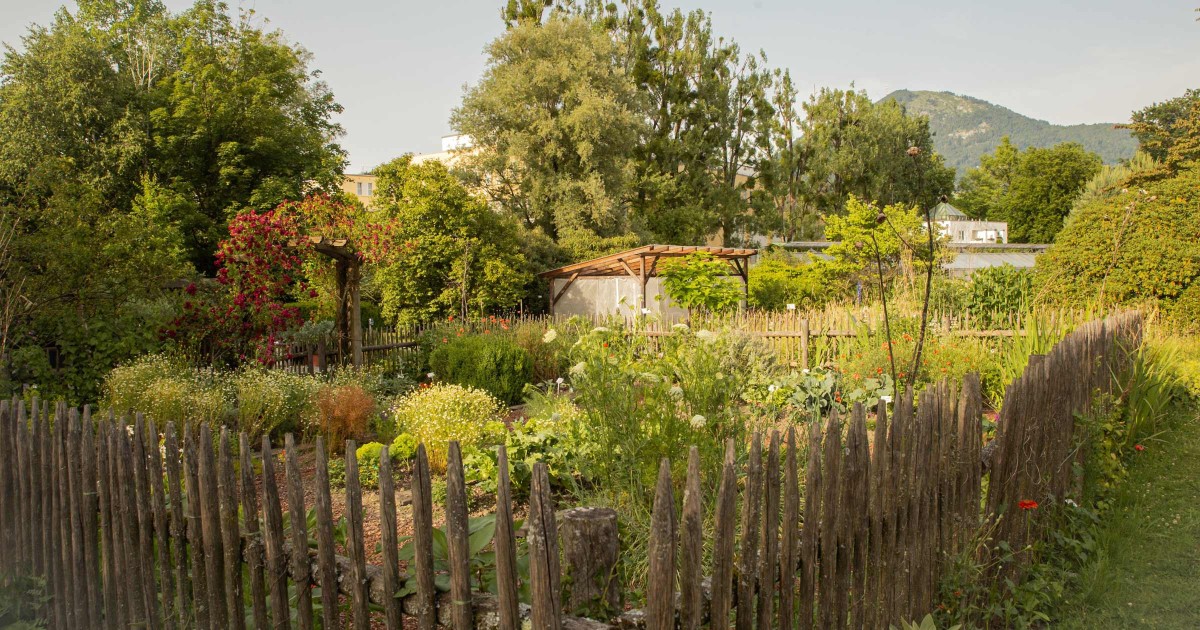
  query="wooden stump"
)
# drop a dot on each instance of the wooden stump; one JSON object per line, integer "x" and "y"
{"x": 590, "y": 547}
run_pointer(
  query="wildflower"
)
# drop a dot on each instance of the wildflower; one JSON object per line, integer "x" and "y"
{"x": 605, "y": 344}
{"x": 600, "y": 329}
{"x": 578, "y": 368}
{"x": 1139, "y": 448}
{"x": 444, "y": 340}
{"x": 698, "y": 421}
{"x": 705, "y": 334}
{"x": 771, "y": 388}
{"x": 190, "y": 289}
{"x": 804, "y": 371}
{"x": 679, "y": 326}
{"x": 550, "y": 335}
{"x": 1027, "y": 504}
{"x": 957, "y": 593}
{"x": 719, "y": 375}
{"x": 1071, "y": 503}
{"x": 676, "y": 391}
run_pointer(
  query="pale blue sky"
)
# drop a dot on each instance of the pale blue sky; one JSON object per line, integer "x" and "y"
{"x": 399, "y": 66}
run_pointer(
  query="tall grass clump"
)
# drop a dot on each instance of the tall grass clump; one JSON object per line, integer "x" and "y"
{"x": 271, "y": 402}
{"x": 167, "y": 390}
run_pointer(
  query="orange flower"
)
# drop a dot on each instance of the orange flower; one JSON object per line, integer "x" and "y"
{"x": 1139, "y": 448}
{"x": 1027, "y": 504}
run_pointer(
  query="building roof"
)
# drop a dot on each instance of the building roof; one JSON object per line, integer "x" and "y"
{"x": 946, "y": 212}
{"x": 969, "y": 261}
{"x": 642, "y": 260}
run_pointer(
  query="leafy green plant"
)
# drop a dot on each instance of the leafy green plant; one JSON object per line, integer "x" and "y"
{"x": 271, "y": 401}
{"x": 489, "y": 362}
{"x": 22, "y": 601}
{"x": 700, "y": 281}
{"x": 481, "y": 532}
{"x": 997, "y": 296}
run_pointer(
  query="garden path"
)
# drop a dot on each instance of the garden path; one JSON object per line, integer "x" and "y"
{"x": 1148, "y": 571}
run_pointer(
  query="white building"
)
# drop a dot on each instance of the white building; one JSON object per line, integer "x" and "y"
{"x": 963, "y": 229}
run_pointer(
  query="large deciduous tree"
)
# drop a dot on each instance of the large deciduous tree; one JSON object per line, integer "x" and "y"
{"x": 1033, "y": 190}
{"x": 1170, "y": 131}
{"x": 454, "y": 255}
{"x": 129, "y": 136}
{"x": 852, "y": 146}
{"x": 555, "y": 121}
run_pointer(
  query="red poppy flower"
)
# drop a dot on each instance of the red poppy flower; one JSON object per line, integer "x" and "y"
{"x": 605, "y": 344}
{"x": 1139, "y": 448}
{"x": 1027, "y": 505}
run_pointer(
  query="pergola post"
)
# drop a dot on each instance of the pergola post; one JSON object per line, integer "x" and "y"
{"x": 348, "y": 317}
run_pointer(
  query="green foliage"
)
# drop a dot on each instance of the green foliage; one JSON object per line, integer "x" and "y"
{"x": 1033, "y": 190}
{"x": 900, "y": 243}
{"x": 1170, "y": 131}
{"x": 438, "y": 414}
{"x": 128, "y": 136}
{"x": 1111, "y": 178}
{"x": 22, "y": 600}
{"x": 459, "y": 257}
{"x": 700, "y": 281}
{"x": 271, "y": 402}
{"x": 554, "y": 124}
{"x": 480, "y": 533}
{"x": 166, "y": 390}
{"x": 1139, "y": 246}
{"x": 997, "y": 296}
{"x": 856, "y": 148}
{"x": 778, "y": 281}
{"x": 492, "y": 363}
{"x": 404, "y": 447}
{"x": 965, "y": 128}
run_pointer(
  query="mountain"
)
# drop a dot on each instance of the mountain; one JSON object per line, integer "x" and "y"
{"x": 965, "y": 128}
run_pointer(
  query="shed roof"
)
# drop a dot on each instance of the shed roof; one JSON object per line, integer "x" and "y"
{"x": 635, "y": 261}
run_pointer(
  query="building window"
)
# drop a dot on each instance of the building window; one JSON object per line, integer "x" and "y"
{"x": 359, "y": 189}
{"x": 370, "y": 189}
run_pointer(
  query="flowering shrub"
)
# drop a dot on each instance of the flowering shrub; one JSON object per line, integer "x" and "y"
{"x": 166, "y": 390}
{"x": 271, "y": 401}
{"x": 440, "y": 413}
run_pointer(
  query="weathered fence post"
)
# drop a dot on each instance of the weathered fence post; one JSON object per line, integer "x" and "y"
{"x": 660, "y": 588}
{"x": 457, "y": 533}
{"x": 506, "y": 555}
{"x": 691, "y": 552}
{"x": 359, "y": 602}
{"x": 543, "y": 553}
{"x": 422, "y": 509}
{"x": 590, "y": 550}
{"x": 301, "y": 567}
{"x": 722, "y": 582}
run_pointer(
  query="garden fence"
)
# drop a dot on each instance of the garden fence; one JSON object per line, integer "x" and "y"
{"x": 130, "y": 528}
{"x": 790, "y": 334}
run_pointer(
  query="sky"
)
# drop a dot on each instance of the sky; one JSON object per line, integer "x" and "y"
{"x": 399, "y": 67}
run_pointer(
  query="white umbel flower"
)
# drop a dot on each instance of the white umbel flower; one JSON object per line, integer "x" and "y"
{"x": 698, "y": 421}
{"x": 550, "y": 335}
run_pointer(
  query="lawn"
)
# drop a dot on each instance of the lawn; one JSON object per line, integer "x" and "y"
{"x": 1148, "y": 572}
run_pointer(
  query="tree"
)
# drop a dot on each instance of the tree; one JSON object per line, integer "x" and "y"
{"x": 1170, "y": 131}
{"x": 555, "y": 121}
{"x": 899, "y": 241}
{"x": 456, "y": 256}
{"x": 708, "y": 112}
{"x": 1033, "y": 190}
{"x": 852, "y": 146}
{"x": 128, "y": 137}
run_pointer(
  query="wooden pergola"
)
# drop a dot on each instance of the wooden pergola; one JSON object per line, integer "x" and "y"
{"x": 642, "y": 263}
{"x": 348, "y": 271}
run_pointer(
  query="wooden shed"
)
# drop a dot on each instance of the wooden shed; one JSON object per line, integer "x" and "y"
{"x": 627, "y": 282}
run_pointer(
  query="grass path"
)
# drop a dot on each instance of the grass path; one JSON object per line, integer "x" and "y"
{"x": 1148, "y": 571}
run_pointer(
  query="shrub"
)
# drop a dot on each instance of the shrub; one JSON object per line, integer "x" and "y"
{"x": 491, "y": 363}
{"x": 404, "y": 447}
{"x": 438, "y": 414}
{"x": 166, "y": 391}
{"x": 368, "y": 456}
{"x": 271, "y": 401}
{"x": 1138, "y": 245}
{"x": 777, "y": 282}
{"x": 343, "y": 412}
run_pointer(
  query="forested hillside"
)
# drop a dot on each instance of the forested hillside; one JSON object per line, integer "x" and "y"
{"x": 966, "y": 128}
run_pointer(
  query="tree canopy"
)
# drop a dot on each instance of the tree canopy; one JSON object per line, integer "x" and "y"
{"x": 455, "y": 255}
{"x": 1033, "y": 190}
{"x": 129, "y": 136}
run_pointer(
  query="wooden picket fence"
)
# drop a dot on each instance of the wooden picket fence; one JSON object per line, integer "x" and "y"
{"x": 836, "y": 526}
